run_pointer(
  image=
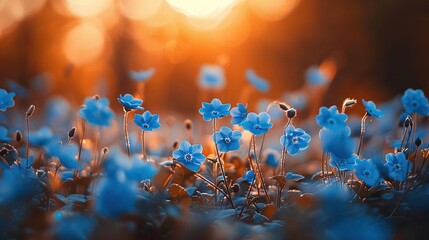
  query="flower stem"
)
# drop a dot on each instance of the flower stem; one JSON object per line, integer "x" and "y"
{"x": 362, "y": 131}
{"x": 27, "y": 151}
{"x": 143, "y": 146}
{"x": 247, "y": 198}
{"x": 214, "y": 186}
{"x": 282, "y": 161}
{"x": 258, "y": 168}
{"x": 80, "y": 147}
{"x": 221, "y": 167}
{"x": 127, "y": 140}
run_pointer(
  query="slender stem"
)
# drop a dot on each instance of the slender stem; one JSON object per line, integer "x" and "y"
{"x": 258, "y": 168}
{"x": 212, "y": 185}
{"x": 247, "y": 197}
{"x": 262, "y": 146}
{"x": 362, "y": 131}
{"x": 80, "y": 148}
{"x": 127, "y": 140}
{"x": 323, "y": 164}
{"x": 282, "y": 162}
{"x": 214, "y": 166}
{"x": 143, "y": 146}
{"x": 221, "y": 166}
{"x": 27, "y": 122}
{"x": 403, "y": 137}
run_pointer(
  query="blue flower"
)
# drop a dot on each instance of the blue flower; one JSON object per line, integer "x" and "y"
{"x": 397, "y": 166}
{"x": 238, "y": 114}
{"x": 295, "y": 140}
{"x": 414, "y": 101}
{"x": 147, "y": 121}
{"x": 42, "y": 137}
{"x": 315, "y": 77}
{"x": 96, "y": 111}
{"x": 343, "y": 163}
{"x": 190, "y": 156}
{"x": 214, "y": 110}
{"x": 141, "y": 76}
{"x": 272, "y": 158}
{"x": 6, "y": 100}
{"x": 227, "y": 139}
{"x": 16, "y": 88}
{"x": 367, "y": 171}
{"x": 257, "y": 82}
{"x": 3, "y": 135}
{"x": 248, "y": 176}
{"x": 115, "y": 196}
{"x": 129, "y": 102}
{"x": 211, "y": 77}
{"x": 340, "y": 145}
{"x": 331, "y": 118}
{"x": 67, "y": 154}
{"x": 257, "y": 124}
{"x": 371, "y": 109}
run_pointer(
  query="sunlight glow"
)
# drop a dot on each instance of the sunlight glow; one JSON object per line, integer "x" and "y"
{"x": 210, "y": 12}
{"x": 84, "y": 43}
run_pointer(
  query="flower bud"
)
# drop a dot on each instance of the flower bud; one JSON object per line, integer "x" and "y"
{"x": 418, "y": 142}
{"x": 188, "y": 124}
{"x": 283, "y": 106}
{"x": 30, "y": 111}
{"x": 18, "y": 136}
{"x": 72, "y": 132}
{"x": 349, "y": 102}
{"x": 291, "y": 113}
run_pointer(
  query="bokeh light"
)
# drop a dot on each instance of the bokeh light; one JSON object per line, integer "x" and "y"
{"x": 139, "y": 9}
{"x": 84, "y": 43}
{"x": 84, "y": 8}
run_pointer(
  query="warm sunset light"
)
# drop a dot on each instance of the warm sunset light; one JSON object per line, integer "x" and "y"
{"x": 83, "y": 43}
{"x": 85, "y": 8}
{"x": 209, "y": 10}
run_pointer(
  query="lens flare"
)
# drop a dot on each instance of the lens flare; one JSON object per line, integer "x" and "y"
{"x": 139, "y": 9}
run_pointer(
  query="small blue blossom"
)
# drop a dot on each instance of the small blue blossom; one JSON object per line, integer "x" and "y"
{"x": 238, "y": 114}
{"x": 248, "y": 176}
{"x": 337, "y": 143}
{"x": 414, "y": 101}
{"x": 3, "y": 135}
{"x": 227, "y": 139}
{"x": 343, "y": 163}
{"x": 211, "y": 77}
{"x": 397, "y": 166}
{"x": 6, "y": 99}
{"x": 130, "y": 103}
{"x": 42, "y": 137}
{"x": 17, "y": 88}
{"x": 257, "y": 124}
{"x": 316, "y": 77}
{"x": 367, "y": 171}
{"x": 115, "y": 196}
{"x": 257, "y": 82}
{"x": 331, "y": 118}
{"x": 214, "y": 110}
{"x": 96, "y": 111}
{"x": 272, "y": 158}
{"x": 295, "y": 140}
{"x": 147, "y": 121}
{"x": 141, "y": 76}
{"x": 190, "y": 156}
{"x": 371, "y": 109}
{"x": 67, "y": 154}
